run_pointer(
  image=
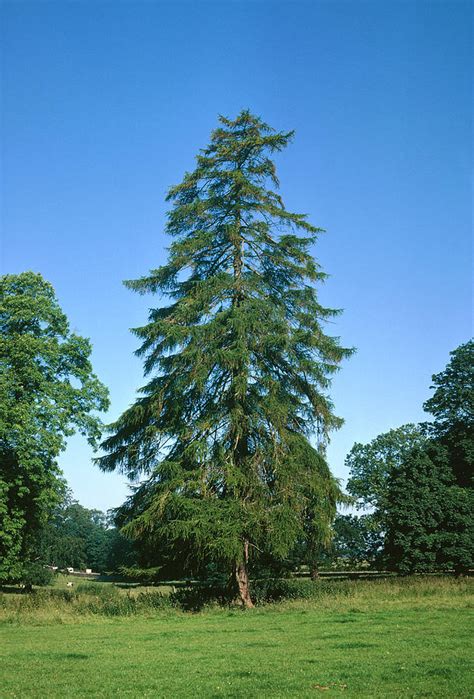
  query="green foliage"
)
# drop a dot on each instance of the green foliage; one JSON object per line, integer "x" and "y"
{"x": 145, "y": 576}
{"x": 47, "y": 391}
{"x": 81, "y": 538}
{"x": 417, "y": 481}
{"x": 201, "y": 595}
{"x": 96, "y": 599}
{"x": 120, "y": 551}
{"x": 371, "y": 464}
{"x": 263, "y": 591}
{"x": 278, "y": 589}
{"x": 36, "y": 574}
{"x": 429, "y": 517}
{"x": 430, "y": 523}
{"x": 452, "y": 406}
{"x": 456, "y": 538}
{"x": 452, "y": 403}
{"x": 323, "y": 498}
{"x": 357, "y": 540}
{"x": 239, "y": 364}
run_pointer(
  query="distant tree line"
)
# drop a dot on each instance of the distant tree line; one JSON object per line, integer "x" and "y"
{"x": 81, "y": 538}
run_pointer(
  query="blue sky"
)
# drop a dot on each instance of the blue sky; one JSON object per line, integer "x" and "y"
{"x": 104, "y": 106}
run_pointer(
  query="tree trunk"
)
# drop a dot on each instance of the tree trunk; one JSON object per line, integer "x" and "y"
{"x": 314, "y": 572}
{"x": 240, "y": 448}
{"x": 242, "y": 579}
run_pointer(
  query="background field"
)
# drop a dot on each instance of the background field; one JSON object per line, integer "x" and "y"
{"x": 407, "y": 638}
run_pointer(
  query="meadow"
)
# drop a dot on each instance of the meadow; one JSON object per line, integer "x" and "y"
{"x": 381, "y": 638}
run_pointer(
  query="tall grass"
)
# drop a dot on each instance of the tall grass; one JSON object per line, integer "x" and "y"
{"x": 90, "y": 599}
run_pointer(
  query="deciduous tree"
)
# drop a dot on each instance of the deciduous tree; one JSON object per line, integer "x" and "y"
{"x": 417, "y": 480}
{"x": 452, "y": 406}
{"x": 370, "y": 466}
{"x": 47, "y": 391}
{"x": 82, "y": 538}
{"x": 429, "y": 517}
{"x": 357, "y": 540}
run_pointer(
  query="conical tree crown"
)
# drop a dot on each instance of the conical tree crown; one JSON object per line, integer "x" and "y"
{"x": 238, "y": 360}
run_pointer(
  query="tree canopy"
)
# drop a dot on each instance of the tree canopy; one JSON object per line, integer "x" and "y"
{"x": 82, "y": 538}
{"x": 238, "y": 360}
{"x": 429, "y": 517}
{"x": 371, "y": 464}
{"x": 416, "y": 481}
{"x": 452, "y": 406}
{"x": 47, "y": 391}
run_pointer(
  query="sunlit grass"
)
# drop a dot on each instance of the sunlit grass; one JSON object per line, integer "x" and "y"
{"x": 404, "y": 637}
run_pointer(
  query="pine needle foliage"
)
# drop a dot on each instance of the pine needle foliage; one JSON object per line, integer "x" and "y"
{"x": 238, "y": 361}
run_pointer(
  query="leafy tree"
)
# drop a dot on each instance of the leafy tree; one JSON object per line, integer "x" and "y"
{"x": 456, "y": 534}
{"x": 417, "y": 481}
{"x": 35, "y": 573}
{"x": 82, "y": 538}
{"x": 155, "y": 555}
{"x": 431, "y": 500}
{"x": 452, "y": 406}
{"x": 47, "y": 391}
{"x": 121, "y": 552}
{"x": 429, "y": 517}
{"x": 371, "y": 464}
{"x": 356, "y": 540}
{"x": 239, "y": 364}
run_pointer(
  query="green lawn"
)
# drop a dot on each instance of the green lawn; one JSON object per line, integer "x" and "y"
{"x": 383, "y": 640}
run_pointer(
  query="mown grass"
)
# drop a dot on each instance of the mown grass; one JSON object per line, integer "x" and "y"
{"x": 397, "y": 638}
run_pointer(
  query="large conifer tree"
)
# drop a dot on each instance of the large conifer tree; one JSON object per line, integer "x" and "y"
{"x": 238, "y": 360}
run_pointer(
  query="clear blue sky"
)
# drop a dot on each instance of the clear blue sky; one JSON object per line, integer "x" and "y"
{"x": 105, "y": 105}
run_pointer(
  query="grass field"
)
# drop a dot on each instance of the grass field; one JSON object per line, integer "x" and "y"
{"x": 408, "y": 638}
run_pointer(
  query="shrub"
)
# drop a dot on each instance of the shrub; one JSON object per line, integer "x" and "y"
{"x": 275, "y": 589}
{"x": 144, "y": 576}
{"x": 201, "y": 595}
{"x": 36, "y": 574}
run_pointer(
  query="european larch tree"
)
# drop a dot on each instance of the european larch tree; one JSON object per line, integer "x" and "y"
{"x": 324, "y": 497}
{"x": 238, "y": 362}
